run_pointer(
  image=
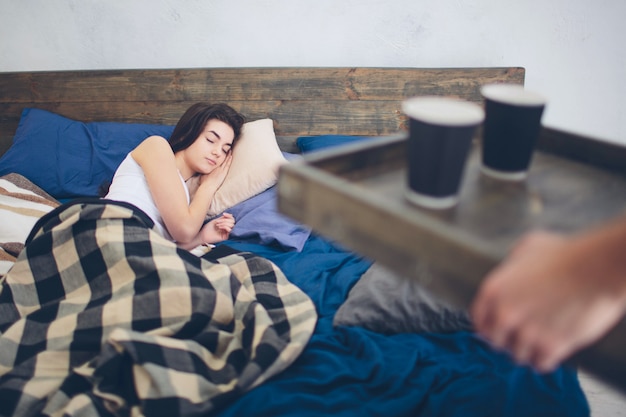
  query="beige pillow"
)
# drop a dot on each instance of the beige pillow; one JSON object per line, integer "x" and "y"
{"x": 256, "y": 160}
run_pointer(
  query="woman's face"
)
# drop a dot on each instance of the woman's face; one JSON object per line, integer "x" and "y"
{"x": 210, "y": 149}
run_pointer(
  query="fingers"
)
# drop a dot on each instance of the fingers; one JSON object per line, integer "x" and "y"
{"x": 533, "y": 347}
{"x": 501, "y": 326}
{"x": 224, "y": 225}
{"x": 224, "y": 228}
{"x": 226, "y": 222}
{"x": 517, "y": 307}
{"x": 229, "y": 159}
{"x": 524, "y": 345}
{"x": 516, "y": 339}
{"x": 227, "y": 162}
{"x": 486, "y": 309}
{"x": 226, "y": 218}
{"x": 545, "y": 362}
{"x": 520, "y": 334}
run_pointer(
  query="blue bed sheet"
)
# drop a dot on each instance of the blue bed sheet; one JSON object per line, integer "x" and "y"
{"x": 351, "y": 371}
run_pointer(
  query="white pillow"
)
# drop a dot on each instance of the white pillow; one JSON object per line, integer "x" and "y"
{"x": 256, "y": 160}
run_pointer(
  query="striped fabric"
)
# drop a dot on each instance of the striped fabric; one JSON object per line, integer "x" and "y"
{"x": 102, "y": 316}
{"x": 22, "y": 203}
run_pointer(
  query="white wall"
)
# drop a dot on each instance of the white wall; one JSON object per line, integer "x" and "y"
{"x": 572, "y": 49}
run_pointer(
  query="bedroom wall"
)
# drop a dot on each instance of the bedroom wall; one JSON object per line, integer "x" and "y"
{"x": 571, "y": 48}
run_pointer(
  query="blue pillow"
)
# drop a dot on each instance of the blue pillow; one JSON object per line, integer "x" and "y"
{"x": 68, "y": 158}
{"x": 313, "y": 143}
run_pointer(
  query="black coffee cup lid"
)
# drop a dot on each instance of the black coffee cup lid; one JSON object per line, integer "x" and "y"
{"x": 443, "y": 111}
{"x": 513, "y": 94}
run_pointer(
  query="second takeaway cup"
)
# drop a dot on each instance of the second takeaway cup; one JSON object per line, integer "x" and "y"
{"x": 510, "y": 131}
{"x": 440, "y": 136}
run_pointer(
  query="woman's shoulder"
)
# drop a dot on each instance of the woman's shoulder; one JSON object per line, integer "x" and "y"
{"x": 152, "y": 146}
{"x": 154, "y": 141}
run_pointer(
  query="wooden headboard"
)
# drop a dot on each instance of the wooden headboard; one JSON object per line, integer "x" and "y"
{"x": 301, "y": 101}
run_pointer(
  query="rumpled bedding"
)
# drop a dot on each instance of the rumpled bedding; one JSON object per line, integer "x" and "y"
{"x": 22, "y": 203}
{"x": 352, "y": 371}
{"x": 101, "y": 316}
{"x": 342, "y": 371}
{"x": 258, "y": 219}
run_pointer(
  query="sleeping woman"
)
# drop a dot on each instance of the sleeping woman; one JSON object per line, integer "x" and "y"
{"x": 98, "y": 294}
{"x": 153, "y": 176}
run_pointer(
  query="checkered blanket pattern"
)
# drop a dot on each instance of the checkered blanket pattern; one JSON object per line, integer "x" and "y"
{"x": 101, "y": 316}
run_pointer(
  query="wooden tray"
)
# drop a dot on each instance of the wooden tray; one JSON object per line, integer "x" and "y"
{"x": 354, "y": 194}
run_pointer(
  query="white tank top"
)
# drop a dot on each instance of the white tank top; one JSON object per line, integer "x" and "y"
{"x": 129, "y": 185}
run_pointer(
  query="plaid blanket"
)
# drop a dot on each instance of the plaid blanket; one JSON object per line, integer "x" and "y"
{"x": 102, "y": 316}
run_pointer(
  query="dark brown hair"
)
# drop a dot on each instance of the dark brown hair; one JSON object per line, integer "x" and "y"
{"x": 194, "y": 120}
{"x": 191, "y": 124}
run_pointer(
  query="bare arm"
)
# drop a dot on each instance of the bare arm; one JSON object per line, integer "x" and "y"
{"x": 183, "y": 221}
{"x": 214, "y": 231}
{"x": 554, "y": 295}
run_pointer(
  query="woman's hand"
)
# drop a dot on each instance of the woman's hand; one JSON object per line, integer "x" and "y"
{"x": 218, "y": 229}
{"x": 216, "y": 178}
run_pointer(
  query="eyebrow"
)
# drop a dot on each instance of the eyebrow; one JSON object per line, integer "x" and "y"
{"x": 220, "y": 138}
{"x": 216, "y": 134}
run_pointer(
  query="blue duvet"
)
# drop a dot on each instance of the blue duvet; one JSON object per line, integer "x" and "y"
{"x": 351, "y": 371}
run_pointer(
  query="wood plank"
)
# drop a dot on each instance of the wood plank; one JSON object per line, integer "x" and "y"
{"x": 291, "y": 117}
{"x": 301, "y": 101}
{"x": 238, "y": 84}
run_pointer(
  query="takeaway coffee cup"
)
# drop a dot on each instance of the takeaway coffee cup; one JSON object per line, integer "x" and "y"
{"x": 512, "y": 125}
{"x": 440, "y": 136}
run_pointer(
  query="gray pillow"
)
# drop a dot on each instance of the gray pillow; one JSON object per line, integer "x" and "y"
{"x": 384, "y": 302}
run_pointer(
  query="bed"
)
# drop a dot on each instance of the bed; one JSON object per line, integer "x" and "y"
{"x": 290, "y": 322}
